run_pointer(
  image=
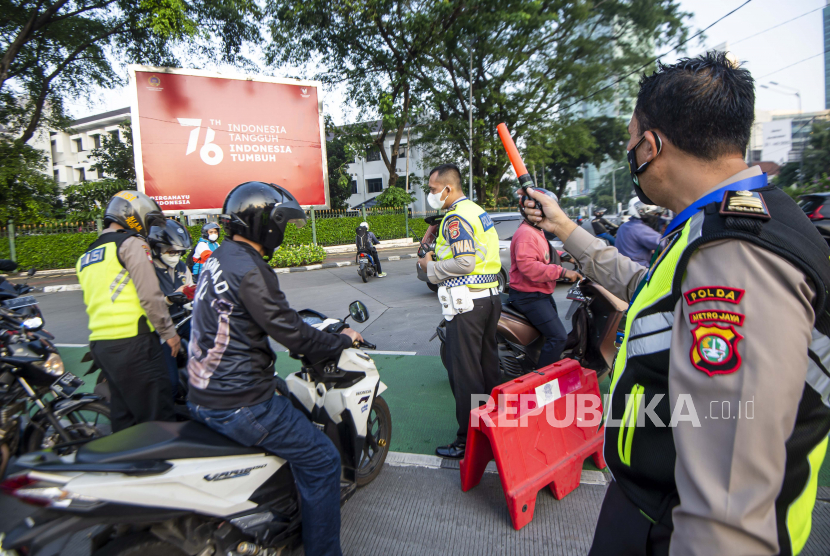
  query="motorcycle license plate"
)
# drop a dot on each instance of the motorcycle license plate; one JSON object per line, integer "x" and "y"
{"x": 67, "y": 384}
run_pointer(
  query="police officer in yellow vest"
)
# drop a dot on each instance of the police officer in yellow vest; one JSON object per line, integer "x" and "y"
{"x": 720, "y": 396}
{"x": 466, "y": 270}
{"x": 127, "y": 312}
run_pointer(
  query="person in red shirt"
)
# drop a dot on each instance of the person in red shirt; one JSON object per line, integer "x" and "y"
{"x": 532, "y": 281}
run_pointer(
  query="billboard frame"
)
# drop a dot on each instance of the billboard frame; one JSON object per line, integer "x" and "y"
{"x": 136, "y": 128}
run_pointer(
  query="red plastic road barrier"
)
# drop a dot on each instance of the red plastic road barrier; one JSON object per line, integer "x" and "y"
{"x": 530, "y": 451}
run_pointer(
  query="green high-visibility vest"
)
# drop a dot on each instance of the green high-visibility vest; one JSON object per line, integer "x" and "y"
{"x": 109, "y": 295}
{"x": 485, "y": 241}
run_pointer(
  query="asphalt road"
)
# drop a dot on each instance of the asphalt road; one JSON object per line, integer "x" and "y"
{"x": 403, "y": 311}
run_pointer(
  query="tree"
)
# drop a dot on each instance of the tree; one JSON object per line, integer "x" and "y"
{"x": 534, "y": 66}
{"x": 394, "y": 197}
{"x": 115, "y": 158}
{"x": 806, "y": 175}
{"x": 50, "y": 51}
{"x": 27, "y": 194}
{"x": 372, "y": 46}
{"x": 87, "y": 200}
{"x": 343, "y": 145}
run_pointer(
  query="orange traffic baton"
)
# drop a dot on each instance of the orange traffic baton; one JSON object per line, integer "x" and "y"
{"x": 539, "y": 428}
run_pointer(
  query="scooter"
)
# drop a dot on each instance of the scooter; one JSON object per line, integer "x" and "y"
{"x": 365, "y": 266}
{"x": 165, "y": 488}
{"x": 595, "y": 315}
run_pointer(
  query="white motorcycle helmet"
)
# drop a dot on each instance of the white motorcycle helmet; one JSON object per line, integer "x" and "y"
{"x": 638, "y": 209}
{"x": 365, "y": 225}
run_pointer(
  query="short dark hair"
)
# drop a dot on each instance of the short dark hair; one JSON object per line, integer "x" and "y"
{"x": 448, "y": 171}
{"x": 704, "y": 105}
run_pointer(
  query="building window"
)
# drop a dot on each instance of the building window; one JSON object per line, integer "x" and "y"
{"x": 354, "y": 187}
{"x": 54, "y": 149}
{"x": 97, "y": 139}
{"x": 79, "y": 145}
{"x": 374, "y": 185}
{"x": 114, "y": 135}
{"x": 402, "y": 150}
{"x": 81, "y": 174}
{"x": 57, "y": 175}
{"x": 372, "y": 155}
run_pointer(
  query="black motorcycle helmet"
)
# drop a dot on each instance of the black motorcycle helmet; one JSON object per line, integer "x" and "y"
{"x": 550, "y": 194}
{"x": 208, "y": 227}
{"x": 134, "y": 211}
{"x": 260, "y": 212}
{"x": 170, "y": 237}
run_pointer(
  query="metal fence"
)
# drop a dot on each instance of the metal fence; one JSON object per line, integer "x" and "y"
{"x": 48, "y": 228}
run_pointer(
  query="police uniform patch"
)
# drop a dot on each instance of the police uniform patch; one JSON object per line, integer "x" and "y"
{"x": 715, "y": 349}
{"x": 744, "y": 203}
{"x": 547, "y": 257}
{"x": 454, "y": 229}
{"x": 717, "y": 316}
{"x": 714, "y": 293}
{"x": 147, "y": 250}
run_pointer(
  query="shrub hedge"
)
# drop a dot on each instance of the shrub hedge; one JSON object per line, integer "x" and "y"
{"x": 62, "y": 250}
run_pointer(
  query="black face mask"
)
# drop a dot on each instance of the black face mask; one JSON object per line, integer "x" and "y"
{"x": 637, "y": 170}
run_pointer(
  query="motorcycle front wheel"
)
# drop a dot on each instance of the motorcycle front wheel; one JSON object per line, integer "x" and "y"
{"x": 86, "y": 422}
{"x": 376, "y": 447}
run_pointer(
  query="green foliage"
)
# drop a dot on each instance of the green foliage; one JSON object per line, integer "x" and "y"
{"x": 26, "y": 193}
{"x": 115, "y": 159}
{"x": 298, "y": 255}
{"x": 88, "y": 200}
{"x": 48, "y": 250}
{"x": 394, "y": 197}
{"x": 342, "y": 146}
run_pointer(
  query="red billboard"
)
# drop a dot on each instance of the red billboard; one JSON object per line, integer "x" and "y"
{"x": 197, "y": 135}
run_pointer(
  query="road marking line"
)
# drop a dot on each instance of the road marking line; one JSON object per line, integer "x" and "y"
{"x": 395, "y": 258}
{"x": 63, "y": 288}
{"x": 71, "y": 345}
{"x": 370, "y": 352}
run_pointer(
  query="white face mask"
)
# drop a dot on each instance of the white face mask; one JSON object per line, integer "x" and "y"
{"x": 170, "y": 259}
{"x": 434, "y": 200}
{"x": 213, "y": 237}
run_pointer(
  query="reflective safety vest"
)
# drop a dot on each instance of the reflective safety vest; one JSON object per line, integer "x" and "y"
{"x": 110, "y": 297}
{"x": 485, "y": 242}
{"x": 642, "y": 458}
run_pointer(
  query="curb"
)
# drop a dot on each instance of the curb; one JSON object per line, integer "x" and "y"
{"x": 77, "y": 287}
{"x": 337, "y": 265}
{"x": 403, "y": 459}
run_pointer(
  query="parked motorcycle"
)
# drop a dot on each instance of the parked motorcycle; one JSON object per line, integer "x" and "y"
{"x": 180, "y": 488}
{"x": 39, "y": 406}
{"x": 595, "y": 315}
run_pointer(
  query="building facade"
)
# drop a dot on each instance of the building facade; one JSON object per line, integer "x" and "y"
{"x": 801, "y": 127}
{"x": 70, "y": 151}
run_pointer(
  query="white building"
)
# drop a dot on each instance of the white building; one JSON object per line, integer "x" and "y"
{"x": 70, "y": 151}
{"x": 798, "y": 133}
{"x": 370, "y": 175}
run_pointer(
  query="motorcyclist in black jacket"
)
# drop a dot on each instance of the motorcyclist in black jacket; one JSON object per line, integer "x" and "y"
{"x": 169, "y": 244}
{"x": 233, "y": 390}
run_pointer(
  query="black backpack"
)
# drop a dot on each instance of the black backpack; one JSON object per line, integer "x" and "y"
{"x": 362, "y": 240}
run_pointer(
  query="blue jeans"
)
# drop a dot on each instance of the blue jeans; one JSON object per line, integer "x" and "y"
{"x": 278, "y": 427}
{"x": 611, "y": 239}
{"x": 540, "y": 310}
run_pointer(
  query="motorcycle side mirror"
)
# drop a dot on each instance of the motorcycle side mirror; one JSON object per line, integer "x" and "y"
{"x": 31, "y": 272}
{"x": 358, "y": 311}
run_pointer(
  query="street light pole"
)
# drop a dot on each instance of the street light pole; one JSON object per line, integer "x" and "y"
{"x": 471, "y": 122}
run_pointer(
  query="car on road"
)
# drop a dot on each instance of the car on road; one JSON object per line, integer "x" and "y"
{"x": 817, "y": 208}
{"x": 506, "y": 224}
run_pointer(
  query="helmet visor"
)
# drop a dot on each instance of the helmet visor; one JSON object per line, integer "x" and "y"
{"x": 298, "y": 222}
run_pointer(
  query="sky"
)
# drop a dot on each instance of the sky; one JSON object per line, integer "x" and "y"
{"x": 764, "y": 55}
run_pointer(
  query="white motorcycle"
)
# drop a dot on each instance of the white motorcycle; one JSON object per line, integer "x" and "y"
{"x": 165, "y": 488}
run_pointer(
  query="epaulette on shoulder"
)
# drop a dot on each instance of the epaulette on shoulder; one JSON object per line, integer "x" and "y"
{"x": 744, "y": 203}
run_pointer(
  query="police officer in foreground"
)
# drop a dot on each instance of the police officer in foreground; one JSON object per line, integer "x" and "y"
{"x": 233, "y": 387}
{"x": 127, "y": 312}
{"x": 466, "y": 270}
{"x": 720, "y": 403}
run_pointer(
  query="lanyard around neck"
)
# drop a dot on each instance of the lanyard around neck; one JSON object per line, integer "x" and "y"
{"x": 748, "y": 184}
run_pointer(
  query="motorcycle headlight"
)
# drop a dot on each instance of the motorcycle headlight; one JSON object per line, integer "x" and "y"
{"x": 33, "y": 323}
{"x": 53, "y": 365}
